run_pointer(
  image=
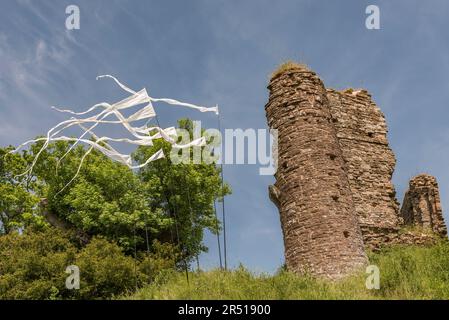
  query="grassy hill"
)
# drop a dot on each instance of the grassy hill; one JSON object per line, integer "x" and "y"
{"x": 406, "y": 272}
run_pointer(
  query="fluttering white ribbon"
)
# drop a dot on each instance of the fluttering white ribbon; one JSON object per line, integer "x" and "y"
{"x": 141, "y": 134}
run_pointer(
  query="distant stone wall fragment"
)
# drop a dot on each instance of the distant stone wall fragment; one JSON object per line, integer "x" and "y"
{"x": 422, "y": 206}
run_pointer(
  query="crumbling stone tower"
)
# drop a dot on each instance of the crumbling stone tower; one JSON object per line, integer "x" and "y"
{"x": 362, "y": 135}
{"x": 318, "y": 217}
{"x": 333, "y": 182}
{"x": 421, "y": 205}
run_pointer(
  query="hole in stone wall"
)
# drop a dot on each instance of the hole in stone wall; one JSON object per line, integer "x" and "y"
{"x": 335, "y": 198}
{"x": 334, "y": 120}
{"x": 284, "y": 165}
{"x": 331, "y": 156}
{"x": 370, "y": 134}
{"x": 346, "y": 234}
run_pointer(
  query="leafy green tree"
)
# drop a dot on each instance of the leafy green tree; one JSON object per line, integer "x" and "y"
{"x": 17, "y": 201}
{"x": 106, "y": 198}
{"x": 186, "y": 192}
{"x": 105, "y": 271}
{"x": 162, "y": 201}
{"x": 164, "y": 256}
{"x": 33, "y": 264}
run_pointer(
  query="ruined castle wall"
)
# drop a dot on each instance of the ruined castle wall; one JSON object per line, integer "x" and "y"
{"x": 362, "y": 135}
{"x": 318, "y": 218}
{"x": 422, "y": 206}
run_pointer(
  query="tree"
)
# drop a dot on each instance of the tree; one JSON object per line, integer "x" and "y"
{"x": 162, "y": 201}
{"x": 106, "y": 198}
{"x": 33, "y": 266}
{"x": 17, "y": 202}
{"x": 186, "y": 192}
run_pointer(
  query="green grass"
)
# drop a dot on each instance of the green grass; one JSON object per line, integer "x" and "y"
{"x": 405, "y": 273}
{"x": 288, "y": 65}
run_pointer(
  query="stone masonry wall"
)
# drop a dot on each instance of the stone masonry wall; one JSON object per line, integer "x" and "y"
{"x": 333, "y": 183}
{"x": 422, "y": 206}
{"x": 318, "y": 216}
{"x": 362, "y": 134}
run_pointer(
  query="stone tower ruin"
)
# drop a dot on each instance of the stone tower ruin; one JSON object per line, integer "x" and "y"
{"x": 333, "y": 183}
{"x": 321, "y": 232}
{"x": 421, "y": 205}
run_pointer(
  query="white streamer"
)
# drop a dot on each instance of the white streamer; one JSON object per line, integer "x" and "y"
{"x": 142, "y": 135}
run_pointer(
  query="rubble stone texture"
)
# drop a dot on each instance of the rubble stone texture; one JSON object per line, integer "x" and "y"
{"x": 421, "y": 205}
{"x": 333, "y": 183}
{"x": 362, "y": 135}
{"x": 320, "y": 227}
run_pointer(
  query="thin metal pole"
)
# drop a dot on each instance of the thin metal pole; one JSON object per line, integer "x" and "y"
{"x": 191, "y": 219}
{"x": 218, "y": 236}
{"x": 223, "y": 203}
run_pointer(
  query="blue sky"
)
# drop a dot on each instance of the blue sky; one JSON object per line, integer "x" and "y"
{"x": 211, "y": 51}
